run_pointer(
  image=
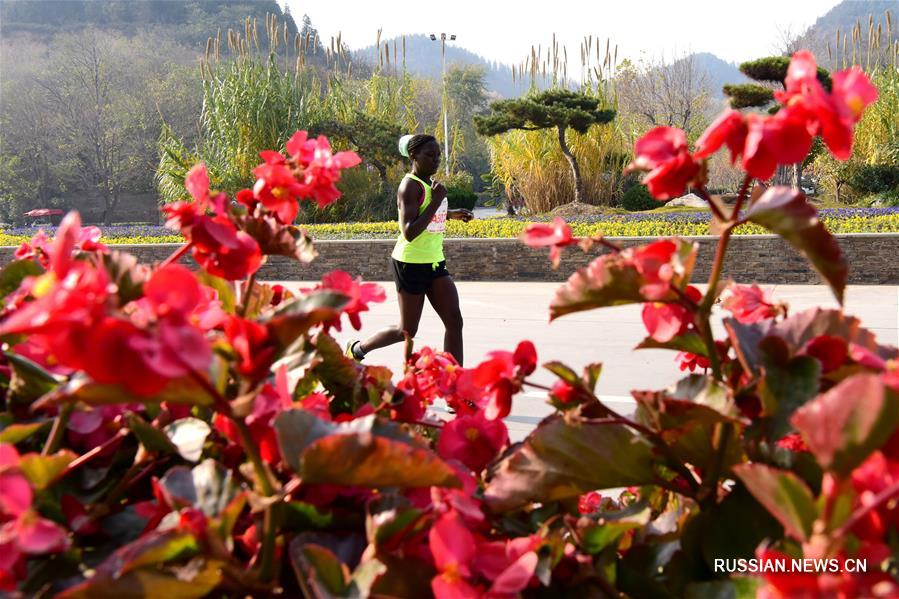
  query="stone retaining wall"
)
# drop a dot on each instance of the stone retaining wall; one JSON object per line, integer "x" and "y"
{"x": 762, "y": 258}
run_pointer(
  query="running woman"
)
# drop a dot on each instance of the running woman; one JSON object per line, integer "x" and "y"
{"x": 417, "y": 262}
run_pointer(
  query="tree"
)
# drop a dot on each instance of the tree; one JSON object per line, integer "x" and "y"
{"x": 106, "y": 127}
{"x": 669, "y": 95}
{"x": 466, "y": 89}
{"x": 556, "y": 108}
{"x": 374, "y": 139}
{"x": 772, "y": 71}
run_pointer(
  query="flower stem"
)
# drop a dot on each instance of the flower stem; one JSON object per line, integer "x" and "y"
{"x": 246, "y": 440}
{"x": 881, "y": 498}
{"x": 58, "y": 430}
{"x": 176, "y": 255}
{"x": 247, "y": 295}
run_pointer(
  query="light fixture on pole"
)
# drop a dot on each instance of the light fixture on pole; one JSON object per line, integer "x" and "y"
{"x": 443, "y": 38}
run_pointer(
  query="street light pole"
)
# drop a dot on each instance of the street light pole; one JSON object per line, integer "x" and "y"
{"x": 445, "y": 98}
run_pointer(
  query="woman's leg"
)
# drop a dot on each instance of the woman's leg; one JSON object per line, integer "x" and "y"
{"x": 411, "y": 305}
{"x": 445, "y": 299}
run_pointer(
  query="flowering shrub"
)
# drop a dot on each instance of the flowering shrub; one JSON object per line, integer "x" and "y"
{"x": 170, "y": 433}
{"x": 653, "y": 224}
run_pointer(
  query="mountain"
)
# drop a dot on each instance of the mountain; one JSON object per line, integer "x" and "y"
{"x": 844, "y": 15}
{"x": 189, "y": 22}
{"x": 423, "y": 59}
{"x": 719, "y": 71}
{"x": 832, "y": 53}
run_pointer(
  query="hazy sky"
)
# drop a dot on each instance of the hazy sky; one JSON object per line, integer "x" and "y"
{"x": 504, "y": 30}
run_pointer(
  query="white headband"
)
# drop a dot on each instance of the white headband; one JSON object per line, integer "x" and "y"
{"x": 404, "y": 145}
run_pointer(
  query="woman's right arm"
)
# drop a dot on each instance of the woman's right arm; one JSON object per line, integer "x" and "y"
{"x": 412, "y": 223}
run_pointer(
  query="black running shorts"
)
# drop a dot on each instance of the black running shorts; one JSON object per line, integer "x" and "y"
{"x": 416, "y": 278}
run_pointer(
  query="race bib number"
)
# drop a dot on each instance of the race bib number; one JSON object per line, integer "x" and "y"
{"x": 438, "y": 223}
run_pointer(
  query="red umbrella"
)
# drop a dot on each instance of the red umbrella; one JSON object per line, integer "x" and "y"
{"x": 43, "y": 212}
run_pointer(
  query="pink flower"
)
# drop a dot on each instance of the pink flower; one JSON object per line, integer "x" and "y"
{"x": 728, "y": 129}
{"x": 688, "y": 361}
{"x": 473, "y": 440}
{"x": 589, "y": 503}
{"x": 793, "y": 442}
{"x": 834, "y": 115}
{"x": 453, "y": 548}
{"x": 557, "y": 236}
{"x": 664, "y": 321}
{"x": 771, "y": 140}
{"x": 750, "y": 304}
{"x": 663, "y": 152}
{"x": 501, "y": 376}
{"x": 359, "y": 294}
{"x": 253, "y": 345}
{"x": 565, "y": 392}
{"x": 653, "y": 262}
{"x": 830, "y": 351}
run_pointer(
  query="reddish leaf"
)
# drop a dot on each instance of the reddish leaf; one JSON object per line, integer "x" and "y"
{"x": 363, "y": 452}
{"x": 689, "y": 342}
{"x": 184, "y": 391}
{"x": 798, "y": 330}
{"x": 192, "y": 581}
{"x": 295, "y": 318}
{"x": 559, "y": 460}
{"x": 843, "y": 426}
{"x": 784, "y": 495}
{"x": 367, "y": 460}
{"x": 614, "y": 279}
{"x": 786, "y": 212}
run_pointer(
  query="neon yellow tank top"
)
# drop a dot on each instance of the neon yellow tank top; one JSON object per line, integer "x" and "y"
{"x": 427, "y": 248}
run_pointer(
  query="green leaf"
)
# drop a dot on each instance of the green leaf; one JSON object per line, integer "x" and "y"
{"x": 228, "y": 518}
{"x": 689, "y": 417}
{"x": 195, "y": 580}
{"x": 208, "y": 486}
{"x": 127, "y": 274}
{"x": 188, "y": 435}
{"x": 843, "y": 426}
{"x": 735, "y": 542}
{"x": 613, "y": 280}
{"x": 295, "y": 318}
{"x": 12, "y": 275}
{"x": 689, "y": 342}
{"x": 391, "y": 519}
{"x": 563, "y": 372}
{"x": 611, "y": 526}
{"x": 153, "y": 439}
{"x": 591, "y": 373}
{"x": 562, "y": 459}
{"x": 15, "y": 433}
{"x": 184, "y": 391}
{"x": 155, "y": 547}
{"x": 787, "y": 384}
{"x": 736, "y": 588}
{"x": 29, "y": 380}
{"x": 224, "y": 289}
{"x": 364, "y": 452}
{"x": 318, "y": 567}
{"x": 41, "y": 470}
{"x": 403, "y": 577}
{"x": 299, "y": 516}
{"x": 784, "y": 495}
{"x": 785, "y": 211}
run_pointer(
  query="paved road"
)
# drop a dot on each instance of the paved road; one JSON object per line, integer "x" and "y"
{"x": 499, "y": 315}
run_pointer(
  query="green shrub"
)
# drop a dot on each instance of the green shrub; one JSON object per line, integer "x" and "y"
{"x": 637, "y": 198}
{"x": 460, "y": 190}
{"x": 876, "y": 178}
